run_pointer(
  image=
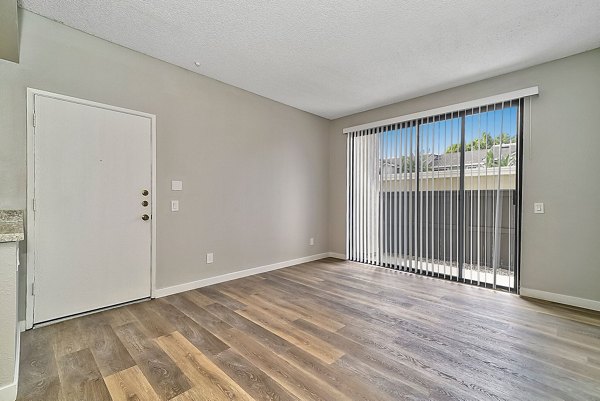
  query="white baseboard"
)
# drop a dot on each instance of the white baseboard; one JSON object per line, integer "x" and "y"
{"x": 337, "y": 255}
{"x": 561, "y": 299}
{"x": 8, "y": 393}
{"x": 163, "y": 292}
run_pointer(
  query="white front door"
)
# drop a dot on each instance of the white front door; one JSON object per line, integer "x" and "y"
{"x": 92, "y": 168}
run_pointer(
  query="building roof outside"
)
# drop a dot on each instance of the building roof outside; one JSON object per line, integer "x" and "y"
{"x": 449, "y": 161}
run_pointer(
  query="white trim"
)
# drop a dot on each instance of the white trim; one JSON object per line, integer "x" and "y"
{"x": 31, "y": 93}
{"x": 503, "y": 97}
{"x": 153, "y": 209}
{"x": 17, "y": 359}
{"x": 8, "y": 392}
{"x": 29, "y": 300}
{"x": 561, "y": 299}
{"x": 58, "y": 96}
{"x": 163, "y": 292}
{"x": 336, "y": 255}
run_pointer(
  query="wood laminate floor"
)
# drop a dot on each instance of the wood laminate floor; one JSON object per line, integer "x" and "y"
{"x": 325, "y": 330}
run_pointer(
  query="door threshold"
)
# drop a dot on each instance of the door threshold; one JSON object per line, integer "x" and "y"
{"x": 91, "y": 312}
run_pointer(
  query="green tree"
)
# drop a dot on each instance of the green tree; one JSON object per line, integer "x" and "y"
{"x": 504, "y": 139}
{"x": 502, "y": 162}
{"x": 454, "y": 148}
{"x": 485, "y": 141}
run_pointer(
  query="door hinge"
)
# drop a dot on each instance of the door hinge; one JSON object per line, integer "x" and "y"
{"x": 34, "y": 118}
{"x": 32, "y": 288}
{"x": 33, "y": 204}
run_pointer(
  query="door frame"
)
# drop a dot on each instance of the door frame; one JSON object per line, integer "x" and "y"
{"x": 30, "y": 234}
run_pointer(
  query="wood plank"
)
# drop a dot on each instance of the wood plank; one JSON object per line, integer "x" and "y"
{"x": 68, "y": 337}
{"x": 195, "y": 296}
{"x": 116, "y": 316}
{"x": 202, "y": 339}
{"x": 221, "y": 298}
{"x": 215, "y": 384}
{"x": 397, "y": 377}
{"x": 320, "y": 317}
{"x": 154, "y": 324}
{"x": 162, "y": 373}
{"x": 184, "y": 303}
{"x": 297, "y": 382}
{"x": 324, "y": 330}
{"x": 80, "y": 377}
{"x": 38, "y": 371}
{"x": 253, "y": 380}
{"x": 334, "y": 375}
{"x": 193, "y": 394}
{"x": 246, "y": 286}
{"x": 311, "y": 344}
{"x": 335, "y": 303}
{"x": 110, "y": 354}
{"x": 130, "y": 385}
{"x": 256, "y": 331}
{"x": 273, "y": 309}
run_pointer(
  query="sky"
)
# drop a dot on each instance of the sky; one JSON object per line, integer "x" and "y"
{"x": 438, "y": 136}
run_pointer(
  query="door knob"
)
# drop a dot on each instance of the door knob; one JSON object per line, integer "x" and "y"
{"x": 145, "y": 203}
{"x": 145, "y": 217}
{"x": 145, "y": 192}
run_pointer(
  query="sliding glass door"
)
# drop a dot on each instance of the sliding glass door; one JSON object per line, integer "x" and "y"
{"x": 439, "y": 195}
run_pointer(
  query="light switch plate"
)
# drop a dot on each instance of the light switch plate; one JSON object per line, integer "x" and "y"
{"x": 538, "y": 208}
{"x": 174, "y": 205}
{"x": 209, "y": 257}
{"x": 311, "y": 241}
{"x": 176, "y": 185}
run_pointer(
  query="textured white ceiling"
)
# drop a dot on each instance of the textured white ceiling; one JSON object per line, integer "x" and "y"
{"x": 337, "y": 57}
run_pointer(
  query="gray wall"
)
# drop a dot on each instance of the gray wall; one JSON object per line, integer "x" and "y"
{"x": 9, "y": 30}
{"x": 255, "y": 172}
{"x": 560, "y": 248}
{"x": 257, "y": 179}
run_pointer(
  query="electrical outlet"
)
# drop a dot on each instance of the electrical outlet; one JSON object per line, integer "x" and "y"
{"x": 538, "y": 208}
{"x": 311, "y": 241}
{"x": 210, "y": 257}
{"x": 174, "y": 205}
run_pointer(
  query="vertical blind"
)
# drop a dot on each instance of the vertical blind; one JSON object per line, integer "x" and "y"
{"x": 439, "y": 195}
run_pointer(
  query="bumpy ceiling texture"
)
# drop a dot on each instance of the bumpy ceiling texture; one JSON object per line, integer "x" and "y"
{"x": 338, "y": 57}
